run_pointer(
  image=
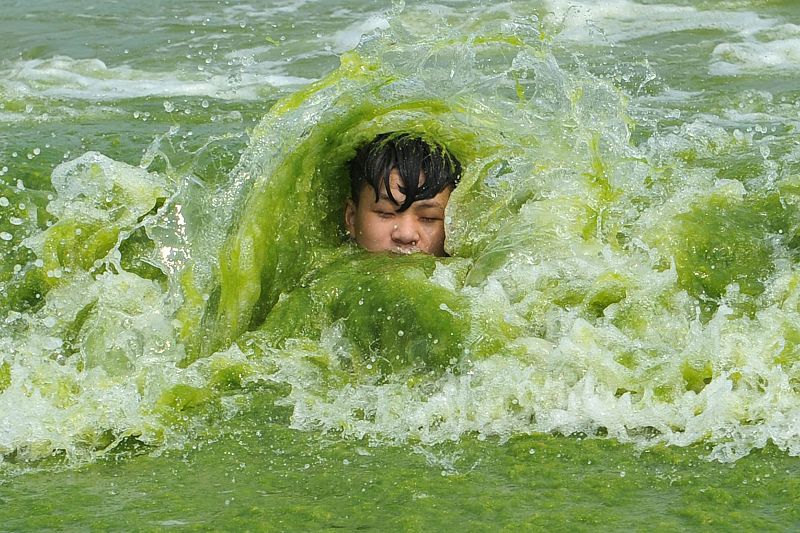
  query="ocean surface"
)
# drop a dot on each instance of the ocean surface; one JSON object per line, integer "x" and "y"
{"x": 189, "y": 341}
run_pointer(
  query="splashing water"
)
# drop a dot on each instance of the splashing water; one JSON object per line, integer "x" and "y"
{"x": 595, "y": 285}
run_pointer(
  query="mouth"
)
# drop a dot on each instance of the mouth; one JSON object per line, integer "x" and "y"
{"x": 406, "y": 250}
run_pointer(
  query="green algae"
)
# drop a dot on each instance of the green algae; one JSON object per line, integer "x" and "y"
{"x": 267, "y": 256}
{"x": 388, "y": 310}
{"x": 639, "y": 291}
{"x": 5, "y": 376}
{"x": 644, "y": 293}
{"x": 295, "y": 481}
{"x": 183, "y": 397}
{"x": 723, "y": 244}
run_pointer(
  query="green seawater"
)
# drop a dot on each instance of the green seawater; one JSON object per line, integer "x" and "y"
{"x": 187, "y": 339}
{"x": 263, "y": 476}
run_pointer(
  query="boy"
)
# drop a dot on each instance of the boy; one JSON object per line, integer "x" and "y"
{"x": 399, "y": 186}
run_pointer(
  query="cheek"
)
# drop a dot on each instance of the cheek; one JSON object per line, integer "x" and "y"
{"x": 373, "y": 228}
{"x": 435, "y": 237}
{"x": 435, "y": 232}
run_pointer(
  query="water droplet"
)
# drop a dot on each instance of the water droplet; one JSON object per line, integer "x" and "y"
{"x": 204, "y": 104}
{"x": 15, "y": 221}
{"x": 4, "y": 201}
{"x": 6, "y": 236}
{"x": 168, "y": 107}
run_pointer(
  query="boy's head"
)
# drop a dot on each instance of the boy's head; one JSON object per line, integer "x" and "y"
{"x": 400, "y": 185}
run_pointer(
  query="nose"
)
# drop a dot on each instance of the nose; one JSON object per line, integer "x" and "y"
{"x": 405, "y": 231}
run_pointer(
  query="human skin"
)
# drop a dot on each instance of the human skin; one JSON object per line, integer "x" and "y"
{"x": 378, "y": 226}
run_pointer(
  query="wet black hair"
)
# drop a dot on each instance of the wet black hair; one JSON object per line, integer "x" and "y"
{"x": 375, "y": 160}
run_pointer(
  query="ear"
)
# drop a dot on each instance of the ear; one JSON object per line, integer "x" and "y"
{"x": 350, "y": 217}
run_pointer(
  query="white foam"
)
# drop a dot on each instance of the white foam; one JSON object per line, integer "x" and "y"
{"x": 349, "y": 37}
{"x": 624, "y": 20}
{"x": 574, "y": 386}
{"x": 93, "y": 80}
{"x": 775, "y": 57}
{"x": 754, "y": 43}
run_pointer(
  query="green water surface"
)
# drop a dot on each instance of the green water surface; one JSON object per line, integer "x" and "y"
{"x": 188, "y": 342}
{"x": 261, "y": 476}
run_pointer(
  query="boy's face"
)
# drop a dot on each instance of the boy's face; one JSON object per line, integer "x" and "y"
{"x": 378, "y": 226}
